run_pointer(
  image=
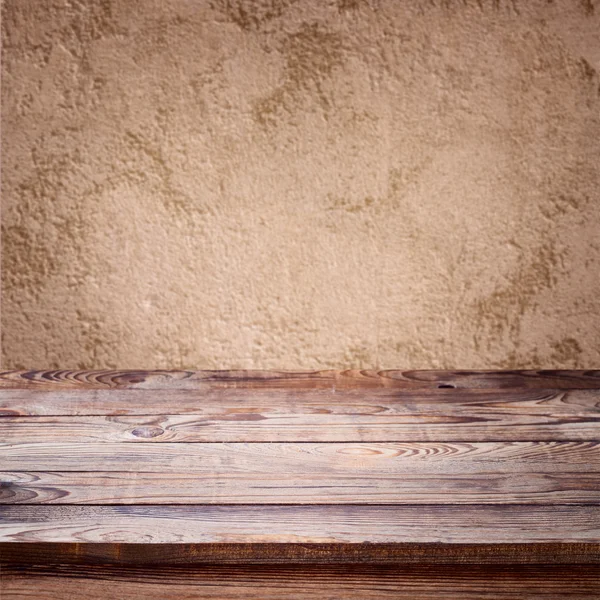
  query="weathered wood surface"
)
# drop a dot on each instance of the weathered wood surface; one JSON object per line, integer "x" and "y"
{"x": 54, "y": 400}
{"x": 48, "y": 554}
{"x": 361, "y": 484}
{"x": 183, "y": 488}
{"x": 344, "y": 524}
{"x": 325, "y": 582}
{"x": 417, "y": 473}
{"x": 354, "y": 458}
{"x": 148, "y": 380}
{"x": 440, "y": 415}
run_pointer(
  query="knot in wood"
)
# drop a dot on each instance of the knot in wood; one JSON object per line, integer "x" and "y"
{"x": 147, "y": 432}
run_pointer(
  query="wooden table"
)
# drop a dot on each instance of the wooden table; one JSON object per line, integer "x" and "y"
{"x": 358, "y": 484}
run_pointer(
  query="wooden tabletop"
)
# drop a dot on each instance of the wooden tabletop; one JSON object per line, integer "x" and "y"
{"x": 280, "y": 479}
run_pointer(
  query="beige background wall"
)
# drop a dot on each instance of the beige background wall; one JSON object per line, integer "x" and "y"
{"x": 301, "y": 184}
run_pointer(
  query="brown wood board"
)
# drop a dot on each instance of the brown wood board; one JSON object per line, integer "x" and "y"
{"x": 345, "y": 524}
{"x": 172, "y": 379}
{"x": 326, "y": 582}
{"x": 18, "y": 556}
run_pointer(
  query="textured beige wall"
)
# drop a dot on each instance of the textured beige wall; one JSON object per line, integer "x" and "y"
{"x": 301, "y": 184}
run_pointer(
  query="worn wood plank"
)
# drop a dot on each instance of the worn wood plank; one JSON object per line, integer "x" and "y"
{"x": 275, "y": 488}
{"x": 435, "y": 473}
{"x": 414, "y": 582}
{"x": 336, "y": 459}
{"x": 226, "y": 403}
{"x": 365, "y": 423}
{"x": 571, "y": 379}
{"x": 48, "y": 554}
{"x": 301, "y": 524}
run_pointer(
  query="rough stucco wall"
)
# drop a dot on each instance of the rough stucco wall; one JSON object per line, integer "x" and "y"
{"x": 301, "y": 184}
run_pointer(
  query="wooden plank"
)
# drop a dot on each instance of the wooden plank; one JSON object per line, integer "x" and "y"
{"x": 325, "y": 582}
{"x": 204, "y": 380}
{"x": 73, "y": 402}
{"x": 301, "y": 524}
{"x": 335, "y": 459}
{"x": 448, "y": 423}
{"x": 279, "y": 488}
{"x": 20, "y": 556}
{"x": 226, "y": 403}
{"x": 442, "y": 473}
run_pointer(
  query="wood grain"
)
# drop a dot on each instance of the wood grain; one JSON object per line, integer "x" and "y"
{"x": 359, "y": 458}
{"x": 353, "y": 484}
{"x": 326, "y": 582}
{"x": 377, "y": 423}
{"x": 536, "y": 473}
{"x": 47, "y": 554}
{"x": 226, "y": 403}
{"x": 156, "y": 380}
{"x": 182, "y": 488}
{"x": 301, "y": 524}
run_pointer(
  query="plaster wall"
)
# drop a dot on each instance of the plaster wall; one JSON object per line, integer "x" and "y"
{"x": 301, "y": 184}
